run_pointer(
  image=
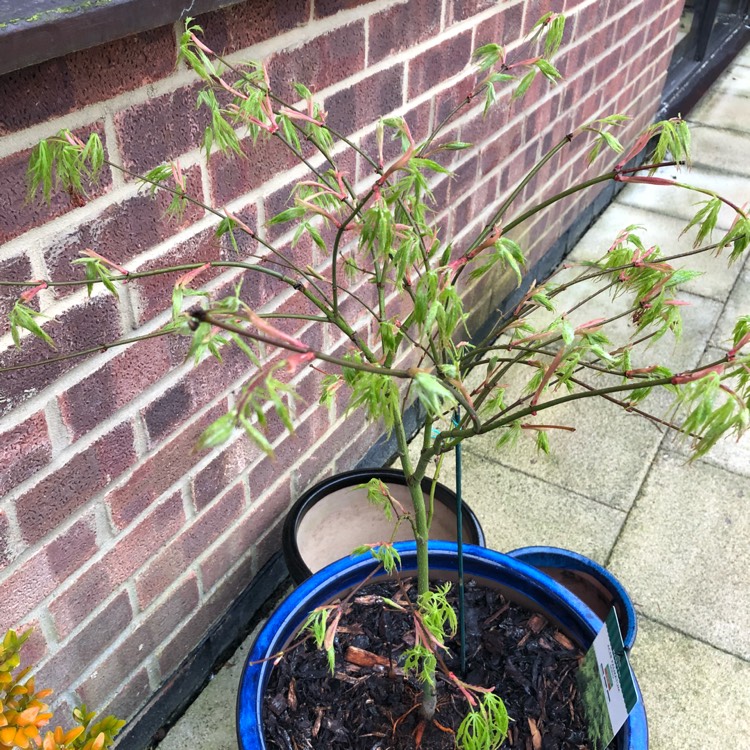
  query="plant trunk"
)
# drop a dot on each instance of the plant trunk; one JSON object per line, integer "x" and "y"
{"x": 421, "y": 537}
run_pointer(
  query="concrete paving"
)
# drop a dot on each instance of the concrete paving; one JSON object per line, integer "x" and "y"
{"x": 621, "y": 491}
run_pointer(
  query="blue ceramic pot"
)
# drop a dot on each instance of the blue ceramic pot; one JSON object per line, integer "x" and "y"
{"x": 588, "y": 580}
{"x": 523, "y": 583}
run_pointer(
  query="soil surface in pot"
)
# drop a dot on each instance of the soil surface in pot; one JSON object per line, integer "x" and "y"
{"x": 369, "y": 705}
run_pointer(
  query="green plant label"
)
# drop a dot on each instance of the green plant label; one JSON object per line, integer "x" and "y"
{"x": 606, "y": 684}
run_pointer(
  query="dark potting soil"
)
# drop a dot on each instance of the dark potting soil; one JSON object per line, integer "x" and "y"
{"x": 369, "y": 705}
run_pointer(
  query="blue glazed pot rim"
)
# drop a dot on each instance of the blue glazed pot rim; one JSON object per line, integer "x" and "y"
{"x": 341, "y": 575}
{"x": 565, "y": 559}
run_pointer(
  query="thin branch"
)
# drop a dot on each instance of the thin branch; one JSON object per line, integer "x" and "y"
{"x": 98, "y": 349}
{"x": 202, "y": 316}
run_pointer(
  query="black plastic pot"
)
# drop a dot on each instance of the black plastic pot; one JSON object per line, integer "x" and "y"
{"x": 334, "y": 517}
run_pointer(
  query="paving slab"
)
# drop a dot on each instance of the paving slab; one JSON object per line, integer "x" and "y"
{"x": 737, "y": 305}
{"x": 744, "y": 57}
{"x": 734, "y": 80}
{"x": 517, "y": 510}
{"x": 723, "y": 108}
{"x": 695, "y": 696}
{"x": 719, "y": 149}
{"x": 592, "y": 461}
{"x": 684, "y": 555}
{"x": 209, "y": 723}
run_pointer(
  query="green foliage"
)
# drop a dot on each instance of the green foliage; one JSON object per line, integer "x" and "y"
{"x": 705, "y": 219}
{"x": 604, "y": 138}
{"x": 712, "y": 409}
{"x": 487, "y": 56}
{"x": 437, "y": 614}
{"x": 96, "y": 269}
{"x": 316, "y": 624}
{"x": 23, "y": 711}
{"x": 376, "y": 394}
{"x": 387, "y": 555}
{"x": 673, "y": 139}
{"x": 739, "y": 237}
{"x": 484, "y": 727}
{"x": 379, "y": 496}
{"x": 433, "y": 395}
{"x": 22, "y": 316}
{"x": 421, "y": 660}
{"x": 508, "y": 254}
{"x": 387, "y": 297}
{"x": 64, "y": 162}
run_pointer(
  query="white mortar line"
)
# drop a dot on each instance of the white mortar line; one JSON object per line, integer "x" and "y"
{"x": 58, "y": 434}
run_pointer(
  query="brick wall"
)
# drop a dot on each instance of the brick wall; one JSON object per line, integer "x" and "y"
{"x": 118, "y": 542}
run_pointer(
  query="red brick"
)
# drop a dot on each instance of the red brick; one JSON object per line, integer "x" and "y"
{"x": 168, "y": 410}
{"x": 34, "y": 649}
{"x": 130, "y": 552}
{"x": 225, "y": 555}
{"x": 320, "y": 62}
{"x": 464, "y": 179}
{"x": 504, "y": 27}
{"x": 402, "y": 26}
{"x": 361, "y": 104}
{"x": 127, "y": 656}
{"x": 325, "y": 8}
{"x": 160, "y": 129}
{"x": 308, "y": 472}
{"x": 54, "y": 499}
{"x": 38, "y": 93}
{"x": 232, "y": 176}
{"x": 129, "y": 699}
{"x": 245, "y": 24}
{"x": 592, "y": 17}
{"x": 22, "y": 592}
{"x": 187, "y": 638}
{"x": 361, "y": 435}
{"x": 627, "y": 22}
{"x": 69, "y": 551}
{"x": 176, "y": 558}
{"x": 535, "y": 9}
{"x": 122, "y": 231}
{"x": 125, "y": 64}
{"x": 73, "y": 658}
{"x": 24, "y": 449}
{"x": 222, "y": 471}
{"x": 447, "y": 100}
{"x": 261, "y": 477}
{"x": 95, "y": 398}
{"x": 154, "y": 293}
{"x": 93, "y": 322}
{"x": 438, "y": 63}
{"x": 269, "y": 545}
{"x": 160, "y": 470}
{"x": 460, "y": 10}
{"x": 19, "y": 214}
{"x": 199, "y": 386}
